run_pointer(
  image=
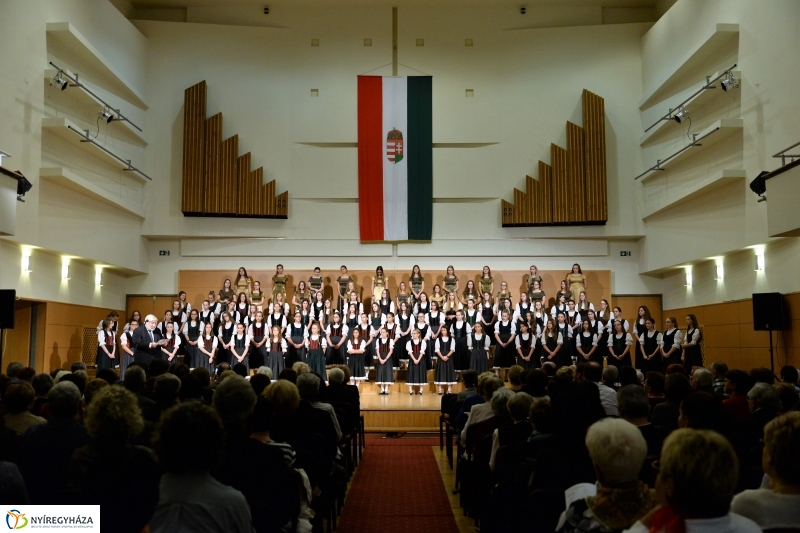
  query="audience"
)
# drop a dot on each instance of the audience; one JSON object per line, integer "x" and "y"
{"x": 665, "y": 415}
{"x": 536, "y": 384}
{"x": 470, "y": 379}
{"x": 749, "y": 433}
{"x": 719, "y": 369}
{"x": 41, "y": 383}
{"x": 619, "y": 499}
{"x": 788, "y": 396}
{"x": 594, "y": 373}
{"x": 737, "y": 384}
{"x": 518, "y": 406}
{"x": 789, "y": 375}
{"x": 701, "y": 410}
{"x": 515, "y": 378}
{"x": 610, "y": 376}
{"x": 18, "y": 401}
{"x": 481, "y": 411}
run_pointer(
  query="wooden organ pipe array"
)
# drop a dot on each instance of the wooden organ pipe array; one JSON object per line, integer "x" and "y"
{"x": 217, "y": 181}
{"x": 572, "y": 189}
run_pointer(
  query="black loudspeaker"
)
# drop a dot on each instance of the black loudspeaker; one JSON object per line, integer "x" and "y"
{"x": 768, "y": 311}
{"x": 8, "y": 298}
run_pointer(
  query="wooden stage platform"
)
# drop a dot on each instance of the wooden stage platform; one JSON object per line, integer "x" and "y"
{"x": 399, "y": 412}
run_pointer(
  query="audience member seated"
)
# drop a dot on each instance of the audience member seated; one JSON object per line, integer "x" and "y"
{"x": 611, "y": 377}
{"x": 519, "y": 407}
{"x": 188, "y": 442}
{"x": 108, "y": 375}
{"x": 308, "y": 385}
{"x": 18, "y": 400}
{"x": 481, "y": 411}
{"x": 77, "y": 365}
{"x": 536, "y": 384}
{"x": 12, "y": 486}
{"x": 110, "y": 472}
{"x": 41, "y": 383}
{"x": 619, "y": 498}
{"x": 701, "y": 410}
{"x": 748, "y": 433}
{"x": 762, "y": 375}
{"x": 635, "y": 409}
{"x": 135, "y": 379}
{"x": 789, "y": 375}
{"x": 737, "y": 384}
{"x": 594, "y": 373}
{"x": 695, "y": 485}
{"x": 260, "y": 472}
{"x": 166, "y": 389}
{"x": 788, "y": 396}
{"x": 654, "y": 385}
{"x": 93, "y": 387}
{"x": 719, "y": 369}
{"x": 779, "y": 505}
{"x": 628, "y": 376}
{"x": 190, "y": 389}
{"x": 515, "y": 378}
{"x": 12, "y": 371}
{"x": 259, "y": 382}
{"x": 57, "y": 441}
{"x": 499, "y": 417}
{"x": 703, "y": 380}
{"x": 267, "y": 371}
{"x": 336, "y": 393}
{"x": 289, "y": 375}
{"x": 26, "y": 374}
{"x": 665, "y": 415}
{"x": 470, "y": 378}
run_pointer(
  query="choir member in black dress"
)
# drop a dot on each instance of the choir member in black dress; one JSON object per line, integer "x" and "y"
{"x": 337, "y": 340}
{"x": 316, "y": 345}
{"x": 241, "y": 347}
{"x": 671, "y": 343}
{"x": 478, "y": 343}
{"x": 296, "y": 335}
{"x": 619, "y": 345}
{"x": 126, "y": 347}
{"x": 637, "y": 332}
{"x": 106, "y": 347}
{"x": 526, "y": 346}
{"x": 586, "y": 343}
{"x": 566, "y": 354}
{"x": 277, "y": 318}
{"x": 435, "y": 320}
{"x": 692, "y": 356}
{"x": 207, "y": 348}
{"x": 192, "y": 330}
{"x": 258, "y": 332}
{"x": 170, "y": 349}
{"x": 276, "y": 351}
{"x": 225, "y": 336}
{"x": 505, "y": 353}
{"x": 649, "y": 346}
{"x": 384, "y": 349}
{"x": 460, "y": 330}
{"x": 405, "y": 323}
{"x": 368, "y": 334}
{"x": 355, "y": 357}
{"x": 552, "y": 342}
{"x": 445, "y": 349}
{"x": 417, "y": 371}
{"x": 393, "y": 330}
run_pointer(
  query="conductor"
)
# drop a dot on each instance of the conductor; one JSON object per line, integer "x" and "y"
{"x": 147, "y": 341}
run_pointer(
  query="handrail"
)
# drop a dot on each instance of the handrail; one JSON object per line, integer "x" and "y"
{"x": 695, "y": 142}
{"x": 707, "y": 86}
{"x": 783, "y": 155}
{"x": 76, "y": 83}
{"x": 86, "y": 139}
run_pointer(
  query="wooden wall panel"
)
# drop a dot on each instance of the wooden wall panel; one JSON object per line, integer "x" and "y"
{"x": 269, "y": 195}
{"x": 17, "y": 341}
{"x": 545, "y": 200}
{"x": 282, "y": 204}
{"x": 197, "y": 283}
{"x": 507, "y": 212}
{"x": 194, "y": 116}
{"x": 729, "y": 335}
{"x": 521, "y": 201}
{"x": 228, "y": 186}
{"x": 242, "y": 178}
{"x": 558, "y": 158}
{"x": 63, "y": 333}
{"x": 213, "y": 140}
{"x": 594, "y": 126}
{"x": 576, "y": 173}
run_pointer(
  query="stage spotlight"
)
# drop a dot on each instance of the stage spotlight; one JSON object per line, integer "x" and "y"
{"x": 58, "y": 81}
{"x": 107, "y": 115}
{"x": 759, "y": 186}
{"x": 730, "y": 82}
{"x": 23, "y": 185}
{"x": 681, "y": 114}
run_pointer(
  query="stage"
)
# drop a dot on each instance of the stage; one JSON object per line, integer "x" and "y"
{"x": 400, "y": 412}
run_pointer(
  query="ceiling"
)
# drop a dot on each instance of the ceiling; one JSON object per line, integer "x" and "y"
{"x": 150, "y": 4}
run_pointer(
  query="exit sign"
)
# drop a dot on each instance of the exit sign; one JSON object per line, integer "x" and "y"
{"x": 163, "y": 252}
{"x": 622, "y": 253}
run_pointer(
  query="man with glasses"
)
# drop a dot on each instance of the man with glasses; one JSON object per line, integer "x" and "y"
{"x": 147, "y": 341}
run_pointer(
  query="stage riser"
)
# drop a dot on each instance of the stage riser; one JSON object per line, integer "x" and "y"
{"x": 370, "y": 387}
{"x": 400, "y": 421}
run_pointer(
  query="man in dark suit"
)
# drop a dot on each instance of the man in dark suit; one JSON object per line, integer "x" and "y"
{"x": 147, "y": 341}
{"x": 337, "y": 392}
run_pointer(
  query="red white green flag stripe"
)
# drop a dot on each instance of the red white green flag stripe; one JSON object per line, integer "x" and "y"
{"x": 395, "y": 158}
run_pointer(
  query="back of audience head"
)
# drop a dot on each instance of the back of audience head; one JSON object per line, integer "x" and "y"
{"x": 789, "y": 375}
{"x": 628, "y": 376}
{"x": 26, "y": 374}
{"x": 190, "y": 388}
{"x": 289, "y": 375}
{"x": 617, "y": 449}
{"x": 265, "y": 370}
{"x": 676, "y": 387}
{"x": 610, "y": 375}
{"x": 500, "y": 399}
{"x": 536, "y": 383}
{"x": 737, "y": 382}
{"x": 92, "y": 388}
{"x": 135, "y": 379}
{"x": 308, "y": 386}
{"x": 565, "y": 373}
{"x": 13, "y": 368}
{"x": 42, "y": 383}
{"x": 335, "y": 375}
{"x": 593, "y": 372}
{"x": 762, "y": 375}
{"x": 263, "y": 416}
{"x": 301, "y": 368}
{"x": 221, "y": 369}
{"x": 549, "y": 368}
{"x": 518, "y": 405}
{"x": 284, "y": 397}
{"x": 75, "y": 378}
{"x": 470, "y": 378}
{"x": 77, "y": 365}
{"x": 655, "y": 382}
{"x": 781, "y": 459}
{"x": 107, "y": 375}
{"x": 19, "y": 397}
{"x": 488, "y": 386}
{"x": 157, "y": 367}
{"x": 64, "y": 400}
{"x": 702, "y": 380}
{"x": 515, "y": 375}
{"x": 697, "y": 474}
{"x": 633, "y": 403}
{"x": 202, "y": 375}
{"x": 763, "y": 396}
{"x": 240, "y": 369}
{"x": 346, "y": 370}
{"x": 225, "y": 375}
{"x": 188, "y": 439}
{"x": 114, "y": 415}
{"x": 701, "y": 410}
{"x": 676, "y": 368}
{"x": 259, "y": 382}
{"x": 719, "y": 369}
{"x": 788, "y": 395}
{"x": 234, "y": 400}
{"x": 179, "y": 370}
{"x": 166, "y": 389}
{"x": 541, "y": 416}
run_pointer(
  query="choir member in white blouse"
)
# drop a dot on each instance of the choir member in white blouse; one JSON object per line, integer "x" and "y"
{"x": 650, "y": 347}
{"x": 671, "y": 341}
{"x": 551, "y": 341}
{"x": 619, "y": 344}
{"x": 586, "y": 344}
{"x": 173, "y": 342}
{"x": 240, "y": 346}
{"x": 618, "y": 316}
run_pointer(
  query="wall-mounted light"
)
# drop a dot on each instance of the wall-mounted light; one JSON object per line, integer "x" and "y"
{"x": 687, "y": 280}
{"x": 98, "y": 276}
{"x": 759, "y": 266}
{"x": 720, "y": 274}
{"x": 65, "y": 269}
{"x": 107, "y": 114}
{"x": 26, "y": 261}
{"x": 59, "y": 81}
{"x": 680, "y": 115}
{"x": 730, "y": 82}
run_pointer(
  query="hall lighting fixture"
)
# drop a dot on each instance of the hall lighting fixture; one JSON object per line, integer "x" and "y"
{"x": 709, "y": 84}
{"x": 26, "y": 262}
{"x": 730, "y": 82}
{"x": 2, "y": 155}
{"x": 687, "y": 280}
{"x": 719, "y": 276}
{"x": 23, "y": 186}
{"x": 680, "y": 115}
{"x": 59, "y": 81}
{"x": 65, "y": 269}
{"x": 759, "y": 186}
{"x": 86, "y": 138}
{"x": 98, "y": 276}
{"x": 759, "y": 262}
{"x": 79, "y": 84}
{"x": 695, "y": 142}
{"x": 107, "y": 115}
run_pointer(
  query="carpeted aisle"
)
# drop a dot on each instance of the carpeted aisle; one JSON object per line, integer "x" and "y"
{"x": 398, "y": 488}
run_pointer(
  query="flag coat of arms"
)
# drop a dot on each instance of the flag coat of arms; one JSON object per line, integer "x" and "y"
{"x": 395, "y": 158}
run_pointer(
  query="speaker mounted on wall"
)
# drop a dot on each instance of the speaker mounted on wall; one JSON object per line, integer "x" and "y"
{"x": 768, "y": 312}
{"x": 8, "y": 298}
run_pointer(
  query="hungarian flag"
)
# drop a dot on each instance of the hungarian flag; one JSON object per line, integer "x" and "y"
{"x": 395, "y": 158}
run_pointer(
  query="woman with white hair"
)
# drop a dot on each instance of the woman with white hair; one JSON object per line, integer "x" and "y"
{"x": 619, "y": 499}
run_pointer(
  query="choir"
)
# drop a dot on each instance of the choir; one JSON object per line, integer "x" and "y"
{"x": 447, "y": 332}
